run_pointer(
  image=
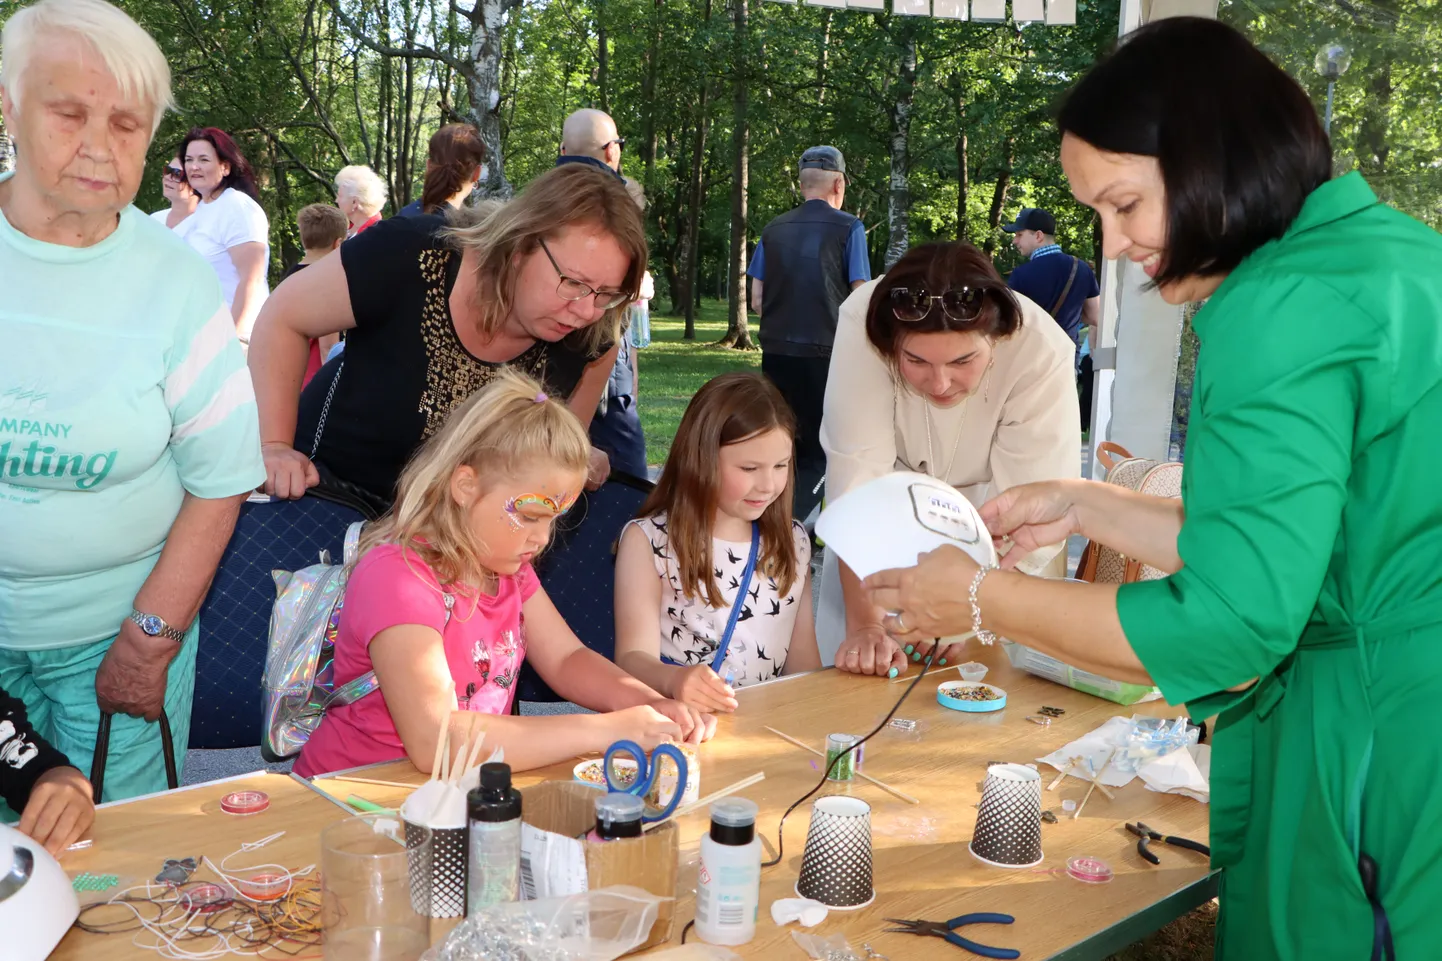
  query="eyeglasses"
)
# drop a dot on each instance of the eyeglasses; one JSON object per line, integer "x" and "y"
{"x": 620, "y": 143}
{"x": 176, "y": 172}
{"x": 571, "y": 289}
{"x": 911, "y": 304}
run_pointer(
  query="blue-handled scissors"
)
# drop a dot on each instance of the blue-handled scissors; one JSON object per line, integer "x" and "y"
{"x": 947, "y": 930}
{"x": 647, "y": 773}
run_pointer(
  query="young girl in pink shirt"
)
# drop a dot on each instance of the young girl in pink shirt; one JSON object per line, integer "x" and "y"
{"x": 443, "y": 604}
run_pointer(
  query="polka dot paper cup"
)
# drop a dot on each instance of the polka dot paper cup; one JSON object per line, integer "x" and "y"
{"x": 1008, "y": 820}
{"x": 836, "y": 865}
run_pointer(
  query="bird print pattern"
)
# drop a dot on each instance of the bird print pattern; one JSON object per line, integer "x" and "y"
{"x": 691, "y": 629}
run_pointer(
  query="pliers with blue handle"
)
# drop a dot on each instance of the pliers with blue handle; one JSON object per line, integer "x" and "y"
{"x": 947, "y": 930}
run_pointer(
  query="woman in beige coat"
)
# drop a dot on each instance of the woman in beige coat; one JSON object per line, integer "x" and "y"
{"x": 938, "y": 368}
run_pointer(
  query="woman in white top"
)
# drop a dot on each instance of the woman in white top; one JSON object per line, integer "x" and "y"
{"x": 230, "y": 229}
{"x": 183, "y": 200}
{"x": 939, "y": 368}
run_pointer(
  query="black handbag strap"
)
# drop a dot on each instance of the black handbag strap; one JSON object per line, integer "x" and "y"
{"x": 102, "y": 749}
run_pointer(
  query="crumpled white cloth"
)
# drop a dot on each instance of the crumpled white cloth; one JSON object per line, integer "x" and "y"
{"x": 810, "y": 913}
{"x": 1181, "y": 772}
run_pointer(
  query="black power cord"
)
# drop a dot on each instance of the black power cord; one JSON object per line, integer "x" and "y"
{"x": 781, "y": 828}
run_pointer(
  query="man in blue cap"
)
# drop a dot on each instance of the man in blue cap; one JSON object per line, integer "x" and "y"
{"x": 1062, "y": 285}
{"x": 807, "y": 262}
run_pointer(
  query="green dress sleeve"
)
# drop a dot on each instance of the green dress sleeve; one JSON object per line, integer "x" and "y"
{"x": 1279, "y": 382}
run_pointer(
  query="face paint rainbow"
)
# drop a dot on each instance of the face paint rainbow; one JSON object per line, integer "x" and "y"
{"x": 557, "y": 506}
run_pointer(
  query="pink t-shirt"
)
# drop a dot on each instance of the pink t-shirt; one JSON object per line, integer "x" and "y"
{"x": 484, "y": 640}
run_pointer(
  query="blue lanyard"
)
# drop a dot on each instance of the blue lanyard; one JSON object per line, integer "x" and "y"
{"x": 740, "y": 598}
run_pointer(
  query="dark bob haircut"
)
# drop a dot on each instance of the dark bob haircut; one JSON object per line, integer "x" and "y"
{"x": 241, "y": 177}
{"x": 1238, "y": 141}
{"x": 938, "y": 268}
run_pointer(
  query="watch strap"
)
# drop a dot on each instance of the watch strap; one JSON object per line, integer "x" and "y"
{"x": 174, "y": 634}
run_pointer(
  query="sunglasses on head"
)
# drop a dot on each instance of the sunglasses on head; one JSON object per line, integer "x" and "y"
{"x": 911, "y": 304}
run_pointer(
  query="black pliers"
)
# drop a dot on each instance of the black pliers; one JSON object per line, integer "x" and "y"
{"x": 1145, "y": 835}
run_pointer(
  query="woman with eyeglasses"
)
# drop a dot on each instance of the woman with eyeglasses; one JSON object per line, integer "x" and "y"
{"x": 939, "y": 368}
{"x": 431, "y": 314}
{"x": 183, "y": 200}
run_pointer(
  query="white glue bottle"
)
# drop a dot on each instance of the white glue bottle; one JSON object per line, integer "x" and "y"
{"x": 728, "y": 892}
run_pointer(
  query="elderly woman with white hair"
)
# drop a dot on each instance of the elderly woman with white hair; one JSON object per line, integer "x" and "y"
{"x": 360, "y": 194}
{"x": 128, "y": 429}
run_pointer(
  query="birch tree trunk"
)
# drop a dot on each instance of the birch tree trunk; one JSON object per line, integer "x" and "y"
{"x": 899, "y": 196}
{"x": 738, "y": 332}
{"x": 488, "y": 18}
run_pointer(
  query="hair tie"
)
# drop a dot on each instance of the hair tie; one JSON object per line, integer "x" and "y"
{"x": 541, "y": 398}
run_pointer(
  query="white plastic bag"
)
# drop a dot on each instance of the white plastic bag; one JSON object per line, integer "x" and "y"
{"x": 598, "y": 925}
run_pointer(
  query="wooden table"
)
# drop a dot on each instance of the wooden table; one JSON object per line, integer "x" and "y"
{"x": 922, "y": 866}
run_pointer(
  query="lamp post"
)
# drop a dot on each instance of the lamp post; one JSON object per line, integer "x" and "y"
{"x": 1332, "y": 61}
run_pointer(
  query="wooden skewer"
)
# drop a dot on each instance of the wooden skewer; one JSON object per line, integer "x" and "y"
{"x": 714, "y": 795}
{"x": 368, "y": 780}
{"x": 867, "y": 777}
{"x": 303, "y": 782}
{"x": 938, "y": 670}
{"x": 442, "y": 736}
{"x": 1096, "y": 783}
{"x": 475, "y": 752}
{"x": 1070, "y": 763}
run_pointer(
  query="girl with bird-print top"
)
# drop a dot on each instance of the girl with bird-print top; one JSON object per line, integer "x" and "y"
{"x": 682, "y": 566}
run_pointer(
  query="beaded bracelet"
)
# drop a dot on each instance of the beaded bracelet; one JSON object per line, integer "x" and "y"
{"x": 985, "y": 636}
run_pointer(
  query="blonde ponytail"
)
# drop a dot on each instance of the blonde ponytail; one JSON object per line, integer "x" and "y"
{"x": 507, "y": 426}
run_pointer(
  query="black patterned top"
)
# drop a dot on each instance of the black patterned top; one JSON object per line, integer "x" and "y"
{"x": 404, "y": 368}
{"x": 691, "y": 629}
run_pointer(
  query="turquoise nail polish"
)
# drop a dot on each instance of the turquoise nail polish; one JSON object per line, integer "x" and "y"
{"x": 916, "y": 656}
{"x": 941, "y": 663}
{"x": 891, "y": 673}
{"x": 928, "y": 658}
{"x": 909, "y": 648}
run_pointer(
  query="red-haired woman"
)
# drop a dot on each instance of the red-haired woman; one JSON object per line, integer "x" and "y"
{"x": 230, "y": 230}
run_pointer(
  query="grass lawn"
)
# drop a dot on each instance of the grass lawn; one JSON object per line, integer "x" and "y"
{"x": 672, "y": 369}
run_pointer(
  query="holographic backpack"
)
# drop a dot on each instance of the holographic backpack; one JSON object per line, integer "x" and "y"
{"x": 299, "y": 682}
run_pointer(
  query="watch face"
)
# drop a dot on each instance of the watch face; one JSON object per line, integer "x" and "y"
{"x": 152, "y": 625}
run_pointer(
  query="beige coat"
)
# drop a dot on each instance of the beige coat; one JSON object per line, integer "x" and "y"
{"x": 1021, "y": 425}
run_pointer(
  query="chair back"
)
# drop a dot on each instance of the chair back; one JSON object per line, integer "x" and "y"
{"x": 579, "y": 570}
{"x": 235, "y": 617}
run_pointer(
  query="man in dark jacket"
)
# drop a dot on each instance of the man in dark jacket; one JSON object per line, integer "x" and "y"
{"x": 807, "y": 262}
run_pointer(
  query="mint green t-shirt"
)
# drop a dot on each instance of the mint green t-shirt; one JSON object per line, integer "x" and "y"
{"x": 122, "y": 387}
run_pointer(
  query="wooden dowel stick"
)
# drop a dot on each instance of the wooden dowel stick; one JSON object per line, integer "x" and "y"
{"x": 866, "y": 777}
{"x": 938, "y": 670}
{"x": 1096, "y": 782}
{"x": 329, "y": 797}
{"x": 367, "y": 780}
{"x": 442, "y": 736}
{"x": 714, "y": 795}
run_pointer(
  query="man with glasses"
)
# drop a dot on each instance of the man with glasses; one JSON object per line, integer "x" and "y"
{"x": 590, "y": 137}
{"x": 807, "y": 262}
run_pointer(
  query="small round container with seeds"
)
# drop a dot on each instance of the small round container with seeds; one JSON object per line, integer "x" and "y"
{"x": 970, "y": 698}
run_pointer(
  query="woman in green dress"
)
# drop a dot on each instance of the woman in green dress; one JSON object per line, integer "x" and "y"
{"x": 1305, "y": 604}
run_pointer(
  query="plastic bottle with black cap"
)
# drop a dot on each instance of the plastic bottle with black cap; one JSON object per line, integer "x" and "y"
{"x": 493, "y": 839}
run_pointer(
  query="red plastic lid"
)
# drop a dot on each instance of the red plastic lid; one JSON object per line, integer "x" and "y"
{"x": 265, "y": 887}
{"x": 245, "y": 802}
{"x": 1089, "y": 870}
